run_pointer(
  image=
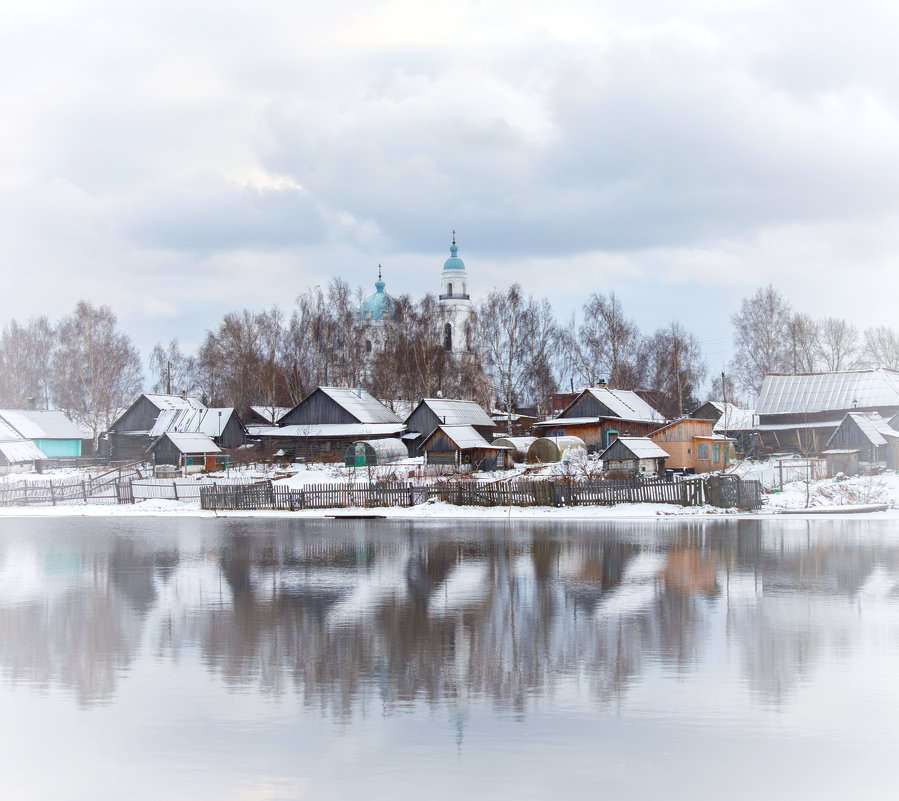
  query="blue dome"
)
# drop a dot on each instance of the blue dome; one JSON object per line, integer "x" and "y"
{"x": 377, "y": 307}
{"x": 454, "y": 262}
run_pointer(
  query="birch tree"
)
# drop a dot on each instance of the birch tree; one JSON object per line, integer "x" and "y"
{"x": 881, "y": 348}
{"x": 761, "y": 338}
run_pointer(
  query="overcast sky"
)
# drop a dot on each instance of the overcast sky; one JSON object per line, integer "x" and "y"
{"x": 178, "y": 160}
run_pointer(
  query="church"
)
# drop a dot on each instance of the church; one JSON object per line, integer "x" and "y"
{"x": 377, "y": 313}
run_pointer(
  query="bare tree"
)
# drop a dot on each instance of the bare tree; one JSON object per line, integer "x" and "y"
{"x": 837, "y": 344}
{"x": 96, "y": 369}
{"x": 761, "y": 338}
{"x": 605, "y": 346}
{"x": 26, "y": 356}
{"x": 675, "y": 369}
{"x": 882, "y": 347}
{"x": 541, "y": 342}
{"x": 175, "y": 373}
{"x": 803, "y": 333}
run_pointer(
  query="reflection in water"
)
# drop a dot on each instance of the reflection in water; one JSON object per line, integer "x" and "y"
{"x": 347, "y": 616}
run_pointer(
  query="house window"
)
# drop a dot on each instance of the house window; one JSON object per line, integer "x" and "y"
{"x": 716, "y": 449}
{"x": 702, "y": 451}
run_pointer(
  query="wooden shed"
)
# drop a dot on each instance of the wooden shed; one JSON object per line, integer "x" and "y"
{"x": 194, "y": 452}
{"x": 429, "y": 413}
{"x": 548, "y": 450}
{"x": 129, "y": 436}
{"x": 874, "y": 440}
{"x": 463, "y": 446}
{"x": 636, "y": 455}
{"x": 693, "y": 446}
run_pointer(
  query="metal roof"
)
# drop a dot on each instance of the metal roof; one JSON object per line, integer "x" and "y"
{"x": 173, "y": 402}
{"x": 21, "y": 451}
{"x": 641, "y": 447}
{"x": 192, "y": 443}
{"x": 733, "y": 418}
{"x": 359, "y": 430}
{"x": 821, "y": 392}
{"x": 874, "y": 427}
{"x": 465, "y": 437}
{"x": 364, "y": 407}
{"x": 8, "y": 433}
{"x": 624, "y": 403}
{"x": 43, "y": 424}
{"x": 458, "y": 412}
{"x": 210, "y": 422}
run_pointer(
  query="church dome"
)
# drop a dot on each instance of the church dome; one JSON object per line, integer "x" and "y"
{"x": 378, "y": 306}
{"x": 454, "y": 262}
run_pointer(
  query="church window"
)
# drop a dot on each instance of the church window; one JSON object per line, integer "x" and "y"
{"x": 368, "y": 346}
{"x": 468, "y": 346}
{"x": 447, "y": 337}
{"x": 449, "y": 289}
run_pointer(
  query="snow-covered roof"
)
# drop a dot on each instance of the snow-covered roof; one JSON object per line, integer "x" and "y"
{"x": 364, "y": 407}
{"x": 41, "y": 424}
{"x": 8, "y": 433}
{"x": 874, "y": 427}
{"x": 210, "y": 422}
{"x": 561, "y": 422}
{"x": 458, "y": 412}
{"x": 624, "y": 403}
{"x": 359, "y": 430}
{"x": 173, "y": 402}
{"x": 803, "y": 426}
{"x": 821, "y": 392}
{"x": 192, "y": 442}
{"x": 466, "y": 437}
{"x": 642, "y": 447}
{"x": 733, "y": 418}
{"x": 21, "y": 451}
{"x": 271, "y": 413}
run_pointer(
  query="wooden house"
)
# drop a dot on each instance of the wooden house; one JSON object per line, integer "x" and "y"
{"x": 462, "y": 446}
{"x": 801, "y": 412}
{"x": 221, "y": 424}
{"x": 50, "y": 430}
{"x": 598, "y": 415}
{"x": 693, "y": 446}
{"x": 191, "y": 451}
{"x": 636, "y": 455}
{"x": 429, "y": 413}
{"x": 328, "y": 421}
{"x": 731, "y": 421}
{"x": 862, "y": 440}
{"x": 129, "y": 436}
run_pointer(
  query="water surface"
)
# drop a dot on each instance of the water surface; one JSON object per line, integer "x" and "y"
{"x": 149, "y": 658}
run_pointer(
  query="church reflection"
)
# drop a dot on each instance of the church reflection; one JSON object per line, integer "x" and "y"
{"x": 366, "y": 616}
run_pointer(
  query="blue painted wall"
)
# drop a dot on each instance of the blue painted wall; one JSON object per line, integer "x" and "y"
{"x": 65, "y": 448}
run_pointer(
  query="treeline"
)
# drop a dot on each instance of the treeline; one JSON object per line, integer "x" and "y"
{"x": 519, "y": 354}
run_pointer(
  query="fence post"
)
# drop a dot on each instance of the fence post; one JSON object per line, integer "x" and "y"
{"x": 52, "y": 496}
{"x": 175, "y": 488}
{"x": 84, "y": 491}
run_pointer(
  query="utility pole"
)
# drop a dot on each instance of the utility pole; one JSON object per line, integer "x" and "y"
{"x": 168, "y": 378}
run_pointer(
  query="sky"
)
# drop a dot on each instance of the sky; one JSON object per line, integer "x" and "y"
{"x": 178, "y": 161}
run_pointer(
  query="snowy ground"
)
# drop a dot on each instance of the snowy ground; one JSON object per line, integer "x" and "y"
{"x": 843, "y": 492}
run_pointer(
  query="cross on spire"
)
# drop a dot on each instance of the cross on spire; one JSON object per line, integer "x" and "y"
{"x": 379, "y": 272}
{"x": 454, "y": 236}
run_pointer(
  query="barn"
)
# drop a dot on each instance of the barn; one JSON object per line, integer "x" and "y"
{"x": 429, "y": 413}
{"x": 867, "y": 435}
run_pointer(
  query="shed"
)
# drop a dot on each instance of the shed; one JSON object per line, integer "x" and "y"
{"x": 220, "y": 424}
{"x": 429, "y": 413}
{"x": 842, "y": 460}
{"x": 373, "y": 452}
{"x": 50, "y": 430}
{"x": 518, "y": 446}
{"x": 637, "y": 455}
{"x": 21, "y": 454}
{"x": 599, "y": 414}
{"x": 875, "y": 441}
{"x": 193, "y": 451}
{"x": 462, "y": 446}
{"x": 545, "y": 450}
{"x": 129, "y": 435}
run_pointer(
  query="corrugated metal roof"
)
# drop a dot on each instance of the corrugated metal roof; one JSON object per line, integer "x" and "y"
{"x": 21, "y": 451}
{"x": 364, "y": 407}
{"x": 202, "y": 421}
{"x": 8, "y": 433}
{"x": 641, "y": 447}
{"x": 466, "y": 437}
{"x": 193, "y": 443}
{"x": 874, "y": 427}
{"x": 821, "y": 392}
{"x": 459, "y": 412}
{"x": 359, "y": 430}
{"x": 626, "y": 404}
{"x": 791, "y": 426}
{"x": 733, "y": 418}
{"x": 561, "y": 422}
{"x": 44, "y": 424}
{"x": 173, "y": 402}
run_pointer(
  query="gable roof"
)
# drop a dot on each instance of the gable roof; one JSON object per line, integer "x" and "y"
{"x": 192, "y": 442}
{"x": 22, "y": 451}
{"x": 456, "y": 412}
{"x": 41, "y": 424}
{"x": 641, "y": 447}
{"x": 358, "y": 403}
{"x": 623, "y": 403}
{"x": 821, "y": 392}
{"x": 463, "y": 437}
{"x": 872, "y": 426}
{"x": 270, "y": 413}
{"x": 162, "y": 402}
{"x": 210, "y": 422}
